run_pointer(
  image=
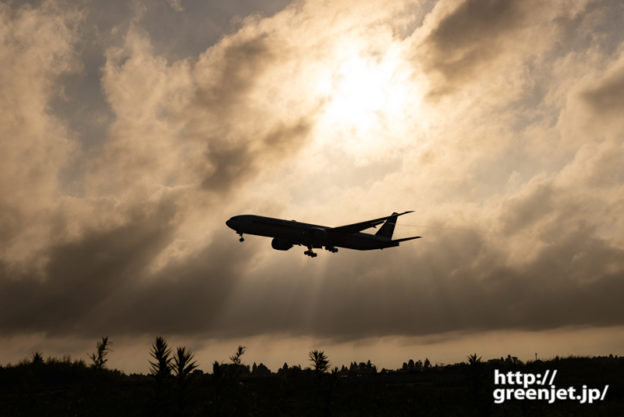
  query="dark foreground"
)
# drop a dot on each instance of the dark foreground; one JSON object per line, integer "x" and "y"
{"x": 66, "y": 388}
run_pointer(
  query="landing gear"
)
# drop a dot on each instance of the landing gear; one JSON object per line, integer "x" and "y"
{"x": 310, "y": 253}
{"x": 242, "y": 239}
{"x": 331, "y": 249}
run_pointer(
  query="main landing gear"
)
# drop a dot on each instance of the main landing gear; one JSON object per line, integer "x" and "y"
{"x": 310, "y": 253}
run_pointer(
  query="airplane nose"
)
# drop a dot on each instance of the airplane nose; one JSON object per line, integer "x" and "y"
{"x": 230, "y": 223}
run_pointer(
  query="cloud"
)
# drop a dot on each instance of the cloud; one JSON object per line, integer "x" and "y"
{"x": 239, "y": 135}
{"x": 80, "y": 275}
{"x": 36, "y": 47}
{"x": 490, "y": 41}
{"x": 176, "y": 5}
{"x": 606, "y": 99}
{"x": 473, "y": 34}
{"x": 102, "y": 283}
{"x": 456, "y": 280}
{"x": 230, "y": 166}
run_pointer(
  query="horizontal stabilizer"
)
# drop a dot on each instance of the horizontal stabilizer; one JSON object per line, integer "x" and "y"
{"x": 406, "y": 238}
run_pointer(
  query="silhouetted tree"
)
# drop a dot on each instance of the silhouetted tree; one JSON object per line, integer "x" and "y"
{"x": 324, "y": 383}
{"x": 161, "y": 371}
{"x": 474, "y": 360}
{"x": 99, "y": 357}
{"x": 479, "y": 397}
{"x": 161, "y": 367}
{"x": 260, "y": 370}
{"x": 183, "y": 366}
{"x": 218, "y": 378}
{"x": 236, "y": 357}
{"x": 319, "y": 360}
{"x": 231, "y": 394}
{"x": 37, "y": 359}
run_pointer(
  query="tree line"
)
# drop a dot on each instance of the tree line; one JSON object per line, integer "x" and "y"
{"x": 175, "y": 386}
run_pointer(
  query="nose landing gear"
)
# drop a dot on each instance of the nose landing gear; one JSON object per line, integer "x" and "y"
{"x": 242, "y": 239}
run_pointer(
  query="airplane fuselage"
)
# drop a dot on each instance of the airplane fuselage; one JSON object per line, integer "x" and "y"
{"x": 286, "y": 233}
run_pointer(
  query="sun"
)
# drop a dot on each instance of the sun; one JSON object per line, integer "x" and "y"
{"x": 359, "y": 94}
{"x": 367, "y": 98}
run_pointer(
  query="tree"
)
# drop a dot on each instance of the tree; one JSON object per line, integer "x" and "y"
{"x": 319, "y": 360}
{"x": 161, "y": 366}
{"x": 99, "y": 357}
{"x": 474, "y": 360}
{"x": 183, "y": 364}
{"x": 161, "y": 371}
{"x": 236, "y": 358}
{"x": 37, "y": 359}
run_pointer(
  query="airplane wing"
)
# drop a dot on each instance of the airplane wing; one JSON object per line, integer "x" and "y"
{"x": 356, "y": 227}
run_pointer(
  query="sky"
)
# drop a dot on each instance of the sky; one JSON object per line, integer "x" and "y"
{"x": 130, "y": 131}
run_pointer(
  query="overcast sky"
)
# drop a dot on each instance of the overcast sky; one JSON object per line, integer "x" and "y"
{"x": 132, "y": 130}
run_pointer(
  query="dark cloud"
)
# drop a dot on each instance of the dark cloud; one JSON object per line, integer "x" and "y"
{"x": 233, "y": 164}
{"x": 82, "y": 274}
{"x": 607, "y": 98}
{"x": 471, "y": 36}
{"x": 229, "y": 74}
{"x": 453, "y": 282}
{"x": 190, "y": 31}
{"x": 226, "y": 80}
{"x": 101, "y": 284}
{"x": 186, "y": 297}
{"x": 457, "y": 283}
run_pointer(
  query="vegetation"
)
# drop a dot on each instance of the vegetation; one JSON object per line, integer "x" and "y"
{"x": 319, "y": 360}
{"x": 176, "y": 387}
{"x": 99, "y": 357}
{"x": 236, "y": 357}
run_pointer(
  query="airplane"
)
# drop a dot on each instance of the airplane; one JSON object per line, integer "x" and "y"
{"x": 287, "y": 233}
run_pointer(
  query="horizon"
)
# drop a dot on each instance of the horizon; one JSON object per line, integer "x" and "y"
{"x": 130, "y": 356}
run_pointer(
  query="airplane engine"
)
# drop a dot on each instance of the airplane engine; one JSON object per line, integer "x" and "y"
{"x": 281, "y": 244}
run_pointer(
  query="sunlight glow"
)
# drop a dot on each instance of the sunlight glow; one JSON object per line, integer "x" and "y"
{"x": 369, "y": 97}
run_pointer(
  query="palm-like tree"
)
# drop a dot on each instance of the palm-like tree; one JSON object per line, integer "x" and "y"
{"x": 161, "y": 366}
{"x": 474, "y": 360}
{"x": 183, "y": 364}
{"x": 319, "y": 360}
{"x": 161, "y": 371}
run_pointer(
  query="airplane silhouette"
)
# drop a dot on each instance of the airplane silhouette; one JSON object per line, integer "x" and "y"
{"x": 287, "y": 233}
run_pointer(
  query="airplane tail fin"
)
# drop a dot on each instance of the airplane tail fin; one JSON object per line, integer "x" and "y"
{"x": 387, "y": 228}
